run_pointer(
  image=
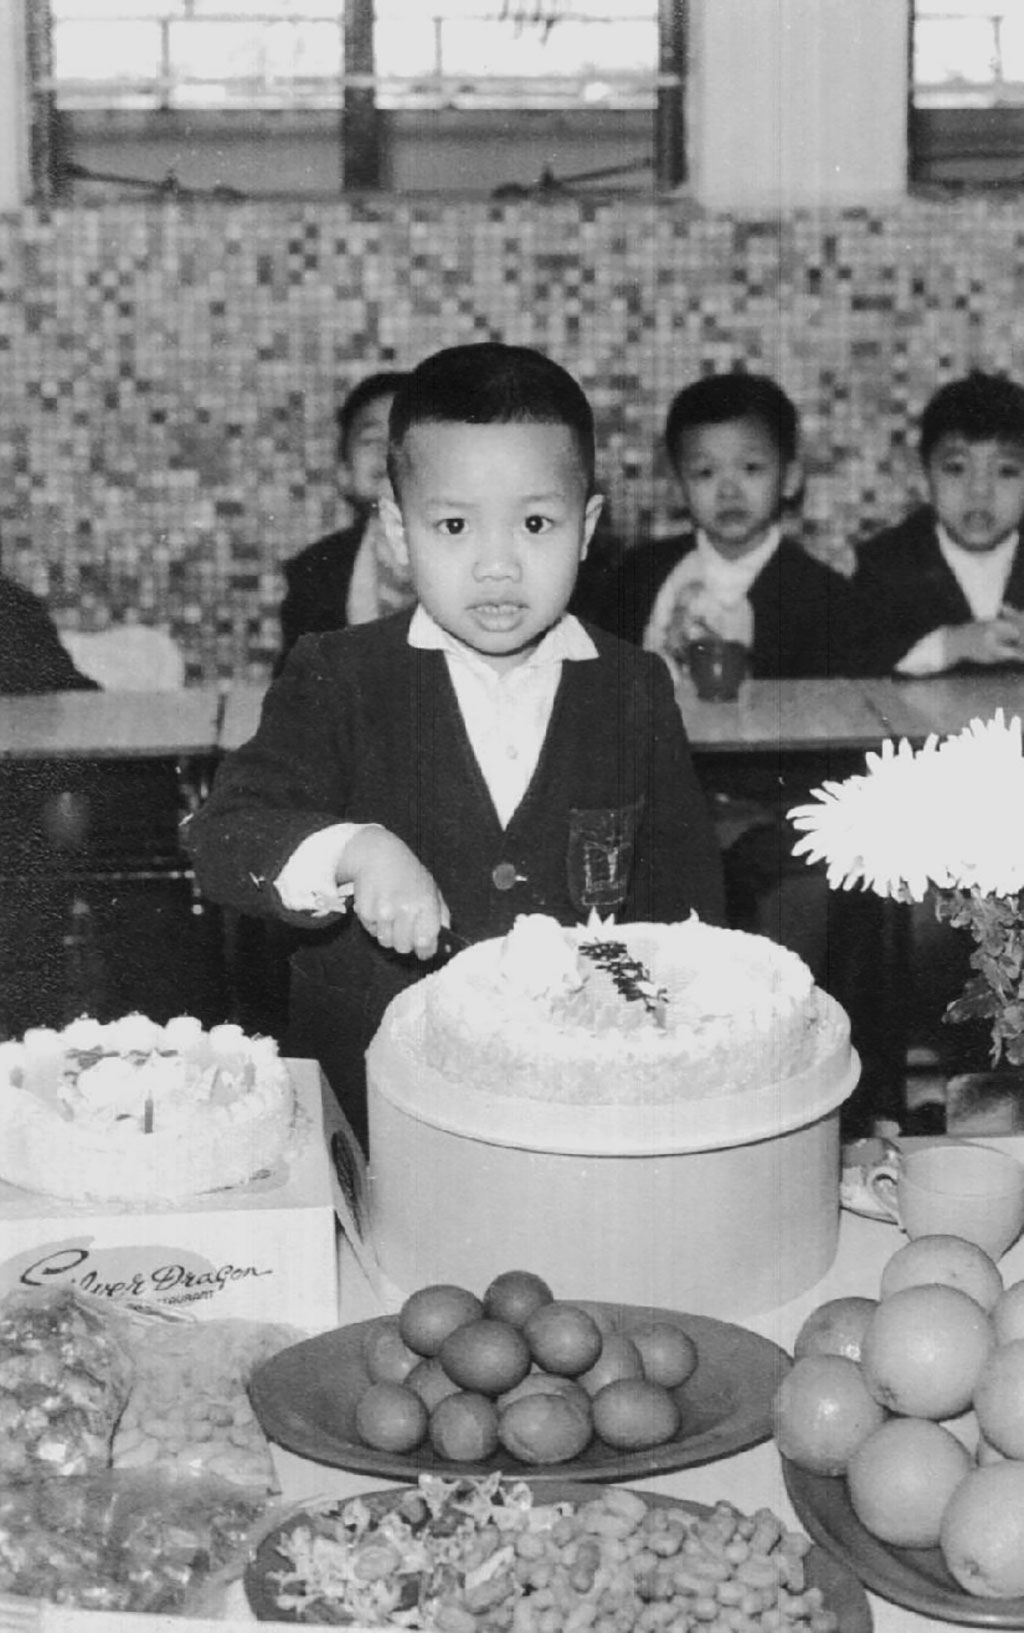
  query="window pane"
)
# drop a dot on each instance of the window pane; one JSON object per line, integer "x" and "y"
{"x": 968, "y": 53}
{"x": 103, "y": 12}
{"x": 225, "y": 53}
{"x": 129, "y": 52}
{"x": 220, "y": 62}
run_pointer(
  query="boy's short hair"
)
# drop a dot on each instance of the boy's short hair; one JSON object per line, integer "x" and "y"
{"x": 489, "y": 383}
{"x": 980, "y": 408}
{"x": 365, "y": 392}
{"x": 718, "y": 398}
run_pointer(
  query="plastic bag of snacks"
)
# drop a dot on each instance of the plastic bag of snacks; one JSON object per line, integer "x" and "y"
{"x": 189, "y": 1409}
{"x": 125, "y": 1540}
{"x": 65, "y": 1375}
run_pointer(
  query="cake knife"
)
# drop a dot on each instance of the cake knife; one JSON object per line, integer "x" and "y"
{"x": 449, "y": 942}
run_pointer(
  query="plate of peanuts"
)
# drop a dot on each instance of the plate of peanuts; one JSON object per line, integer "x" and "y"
{"x": 498, "y": 1555}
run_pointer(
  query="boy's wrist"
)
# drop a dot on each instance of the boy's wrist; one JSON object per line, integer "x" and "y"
{"x": 357, "y": 846}
{"x": 313, "y": 878}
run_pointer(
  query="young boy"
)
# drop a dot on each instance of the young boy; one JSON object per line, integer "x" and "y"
{"x": 944, "y": 589}
{"x": 481, "y": 757}
{"x": 337, "y": 580}
{"x": 732, "y": 441}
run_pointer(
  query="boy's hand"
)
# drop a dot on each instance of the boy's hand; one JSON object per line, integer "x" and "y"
{"x": 987, "y": 640}
{"x": 395, "y": 898}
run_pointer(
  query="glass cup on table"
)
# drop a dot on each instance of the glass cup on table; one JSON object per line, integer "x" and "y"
{"x": 718, "y": 667}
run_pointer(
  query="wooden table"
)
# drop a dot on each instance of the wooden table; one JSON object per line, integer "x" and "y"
{"x": 943, "y": 704}
{"x": 110, "y": 725}
{"x": 795, "y": 716}
{"x": 788, "y": 716}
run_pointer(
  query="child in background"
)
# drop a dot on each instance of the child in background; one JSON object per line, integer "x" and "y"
{"x": 349, "y": 577}
{"x": 479, "y": 758}
{"x": 733, "y": 444}
{"x": 944, "y": 589}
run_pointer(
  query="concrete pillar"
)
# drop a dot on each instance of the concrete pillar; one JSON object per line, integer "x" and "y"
{"x": 14, "y": 105}
{"x": 798, "y": 101}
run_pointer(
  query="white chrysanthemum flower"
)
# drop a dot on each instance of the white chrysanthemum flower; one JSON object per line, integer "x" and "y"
{"x": 950, "y": 815}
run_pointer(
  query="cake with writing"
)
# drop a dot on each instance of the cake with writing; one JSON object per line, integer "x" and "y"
{"x": 135, "y": 1112}
{"x": 604, "y": 1014}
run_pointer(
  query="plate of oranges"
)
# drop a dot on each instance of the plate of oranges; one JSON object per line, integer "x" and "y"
{"x": 518, "y": 1381}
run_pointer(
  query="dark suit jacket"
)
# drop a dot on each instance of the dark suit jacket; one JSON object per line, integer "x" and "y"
{"x": 316, "y": 586}
{"x": 905, "y": 588}
{"x": 31, "y": 656}
{"x": 362, "y": 727}
{"x": 803, "y": 610}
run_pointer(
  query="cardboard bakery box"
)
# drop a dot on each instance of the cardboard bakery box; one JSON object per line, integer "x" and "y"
{"x": 265, "y": 1251}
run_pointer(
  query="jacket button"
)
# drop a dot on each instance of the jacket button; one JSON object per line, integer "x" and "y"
{"x": 504, "y": 876}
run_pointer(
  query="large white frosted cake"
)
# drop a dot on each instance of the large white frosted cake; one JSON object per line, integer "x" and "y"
{"x": 132, "y": 1111}
{"x": 619, "y": 1013}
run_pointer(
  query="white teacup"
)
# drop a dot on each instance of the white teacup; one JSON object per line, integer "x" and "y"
{"x": 953, "y": 1188}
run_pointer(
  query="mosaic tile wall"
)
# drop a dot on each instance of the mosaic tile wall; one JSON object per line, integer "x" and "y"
{"x": 168, "y": 372}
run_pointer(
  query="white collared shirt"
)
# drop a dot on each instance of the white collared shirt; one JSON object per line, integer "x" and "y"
{"x": 506, "y": 715}
{"x": 983, "y": 576}
{"x": 726, "y": 582}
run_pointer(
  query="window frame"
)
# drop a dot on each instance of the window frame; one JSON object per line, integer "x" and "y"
{"x": 961, "y": 148}
{"x": 364, "y": 127}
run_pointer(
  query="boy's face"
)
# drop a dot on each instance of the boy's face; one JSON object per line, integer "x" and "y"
{"x": 364, "y": 468}
{"x": 734, "y": 482}
{"x": 493, "y": 522}
{"x": 976, "y": 489}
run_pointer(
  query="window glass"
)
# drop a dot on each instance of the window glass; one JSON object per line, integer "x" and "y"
{"x": 449, "y": 53}
{"x": 968, "y": 53}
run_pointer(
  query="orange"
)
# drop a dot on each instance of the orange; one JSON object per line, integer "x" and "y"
{"x": 901, "y": 1478}
{"x": 924, "y": 1349}
{"x": 514, "y": 1295}
{"x": 669, "y": 1355}
{"x": 390, "y": 1418}
{"x": 946, "y": 1259}
{"x": 999, "y": 1399}
{"x": 632, "y": 1414}
{"x": 982, "y": 1534}
{"x": 619, "y": 1358}
{"x": 1008, "y": 1314}
{"x": 835, "y": 1328}
{"x": 430, "y": 1382}
{"x": 464, "y": 1428}
{"x": 389, "y": 1360}
{"x": 822, "y": 1411}
{"x": 563, "y": 1338}
{"x": 544, "y": 1429}
{"x": 431, "y": 1313}
{"x": 489, "y": 1356}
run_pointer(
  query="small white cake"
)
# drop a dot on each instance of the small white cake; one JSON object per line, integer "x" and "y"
{"x": 612, "y": 1014}
{"x": 132, "y": 1111}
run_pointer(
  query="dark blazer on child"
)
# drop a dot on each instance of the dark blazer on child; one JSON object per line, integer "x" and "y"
{"x": 316, "y": 586}
{"x": 905, "y": 588}
{"x": 32, "y": 658}
{"x": 803, "y": 610}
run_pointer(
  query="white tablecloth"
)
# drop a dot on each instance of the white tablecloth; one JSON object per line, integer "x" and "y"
{"x": 751, "y": 1479}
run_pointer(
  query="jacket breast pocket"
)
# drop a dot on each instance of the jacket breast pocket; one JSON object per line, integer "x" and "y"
{"x": 600, "y": 855}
